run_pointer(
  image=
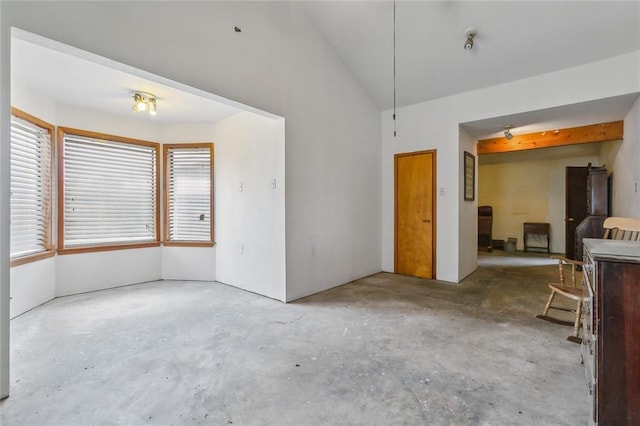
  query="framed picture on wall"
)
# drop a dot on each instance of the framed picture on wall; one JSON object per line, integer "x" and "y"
{"x": 469, "y": 176}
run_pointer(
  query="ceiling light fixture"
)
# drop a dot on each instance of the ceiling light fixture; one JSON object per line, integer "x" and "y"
{"x": 470, "y": 34}
{"x": 507, "y": 133}
{"x": 144, "y": 101}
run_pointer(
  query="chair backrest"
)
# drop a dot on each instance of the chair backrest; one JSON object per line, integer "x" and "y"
{"x": 485, "y": 211}
{"x": 622, "y": 228}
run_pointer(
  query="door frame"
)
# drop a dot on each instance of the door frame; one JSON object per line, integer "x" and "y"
{"x": 434, "y": 207}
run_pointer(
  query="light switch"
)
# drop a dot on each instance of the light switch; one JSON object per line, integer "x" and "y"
{"x": 240, "y": 187}
{"x": 274, "y": 183}
{"x": 442, "y": 190}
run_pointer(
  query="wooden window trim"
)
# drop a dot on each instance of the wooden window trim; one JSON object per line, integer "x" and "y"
{"x": 188, "y": 243}
{"x": 62, "y": 131}
{"x": 110, "y": 247}
{"x": 23, "y": 260}
{"x": 165, "y": 198}
{"x": 48, "y": 214}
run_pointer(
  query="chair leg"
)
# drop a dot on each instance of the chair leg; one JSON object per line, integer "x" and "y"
{"x": 548, "y": 305}
{"x": 576, "y": 325}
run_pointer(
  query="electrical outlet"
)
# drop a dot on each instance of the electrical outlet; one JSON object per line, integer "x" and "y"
{"x": 240, "y": 187}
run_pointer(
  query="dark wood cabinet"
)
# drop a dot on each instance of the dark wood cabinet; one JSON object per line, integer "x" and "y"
{"x": 576, "y": 205}
{"x": 597, "y": 192}
{"x": 611, "y": 342}
{"x": 597, "y": 207}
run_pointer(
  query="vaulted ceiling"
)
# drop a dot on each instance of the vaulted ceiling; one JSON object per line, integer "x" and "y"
{"x": 515, "y": 40}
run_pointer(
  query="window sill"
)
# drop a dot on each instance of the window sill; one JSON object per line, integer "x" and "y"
{"x": 92, "y": 249}
{"x": 32, "y": 258}
{"x": 188, "y": 244}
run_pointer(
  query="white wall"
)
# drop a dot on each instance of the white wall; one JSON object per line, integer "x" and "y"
{"x": 97, "y": 121}
{"x": 529, "y": 186}
{"x": 80, "y": 273}
{"x": 279, "y": 63}
{"x": 426, "y": 126}
{"x": 189, "y": 263}
{"x": 622, "y": 159}
{"x": 467, "y": 221}
{"x": 250, "y": 223}
{"x": 434, "y": 125}
{"x": 27, "y": 100}
{"x": 32, "y": 284}
{"x": 248, "y": 149}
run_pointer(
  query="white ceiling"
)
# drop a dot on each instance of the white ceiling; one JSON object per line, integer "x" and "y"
{"x": 88, "y": 81}
{"x": 594, "y": 112}
{"x": 515, "y": 40}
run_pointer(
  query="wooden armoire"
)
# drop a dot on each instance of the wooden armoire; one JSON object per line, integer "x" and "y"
{"x": 597, "y": 208}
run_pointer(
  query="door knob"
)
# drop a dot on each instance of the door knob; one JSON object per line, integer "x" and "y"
{"x": 570, "y": 219}
{"x": 426, "y": 221}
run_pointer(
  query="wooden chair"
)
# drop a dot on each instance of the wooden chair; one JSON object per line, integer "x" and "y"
{"x": 573, "y": 290}
{"x": 615, "y": 228}
{"x": 621, "y": 228}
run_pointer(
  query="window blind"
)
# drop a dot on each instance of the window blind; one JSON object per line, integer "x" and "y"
{"x": 30, "y": 188}
{"x": 188, "y": 180}
{"x": 110, "y": 192}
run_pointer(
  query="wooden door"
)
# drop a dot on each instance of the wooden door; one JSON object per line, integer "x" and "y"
{"x": 576, "y": 205}
{"x": 415, "y": 178}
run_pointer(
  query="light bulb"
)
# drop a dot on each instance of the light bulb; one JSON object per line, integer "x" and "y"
{"x": 139, "y": 103}
{"x": 153, "y": 110}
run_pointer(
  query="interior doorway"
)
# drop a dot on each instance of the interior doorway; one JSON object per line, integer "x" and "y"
{"x": 415, "y": 207}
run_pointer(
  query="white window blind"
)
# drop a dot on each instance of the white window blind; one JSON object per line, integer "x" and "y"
{"x": 110, "y": 192}
{"x": 30, "y": 188}
{"x": 188, "y": 180}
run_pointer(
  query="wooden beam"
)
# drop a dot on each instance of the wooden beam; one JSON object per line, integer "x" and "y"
{"x": 552, "y": 138}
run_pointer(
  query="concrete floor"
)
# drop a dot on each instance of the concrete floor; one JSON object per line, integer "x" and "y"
{"x": 383, "y": 350}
